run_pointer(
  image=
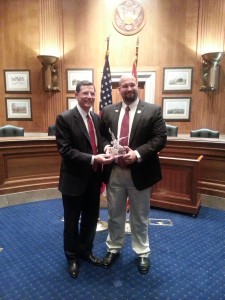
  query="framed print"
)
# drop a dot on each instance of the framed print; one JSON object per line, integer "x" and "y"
{"x": 76, "y": 75}
{"x": 18, "y": 109}
{"x": 177, "y": 79}
{"x": 17, "y": 81}
{"x": 176, "y": 108}
{"x": 71, "y": 102}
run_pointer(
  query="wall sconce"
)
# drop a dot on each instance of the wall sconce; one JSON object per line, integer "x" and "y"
{"x": 210, "y": 71}
{"x": 49, "y": 63}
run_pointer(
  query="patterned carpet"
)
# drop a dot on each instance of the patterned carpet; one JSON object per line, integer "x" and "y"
{"x": 187, "y": 259}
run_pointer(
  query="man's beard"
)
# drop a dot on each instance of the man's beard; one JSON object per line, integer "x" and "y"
{"x": 130, "y": 97}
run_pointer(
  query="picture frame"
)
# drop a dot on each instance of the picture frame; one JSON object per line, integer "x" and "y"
{"x": 176, "y": 108}
{"x": 177, "y": 80}
{"x": 18, "y": 109}
{"x": 76, "y": 75}
{"x": 71, "y": 102}
{"x": 17, "y": 81}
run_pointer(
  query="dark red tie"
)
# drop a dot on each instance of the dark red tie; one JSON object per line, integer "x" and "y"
{"x": 124, "y": 132}
{"x": 92, "y": 139}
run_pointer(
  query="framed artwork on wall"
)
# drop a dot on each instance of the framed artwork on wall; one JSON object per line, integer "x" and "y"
{"x": 17, "y": 81}
{"x": 176, "y": 108}
{"x": 177, "y": 79}
{"x": 18, "y": 109}
{"x": 76, "y": 75}
{"x": 71, "y": 102}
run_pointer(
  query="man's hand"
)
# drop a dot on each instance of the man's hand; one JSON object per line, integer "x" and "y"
{"x": 108, "y": 150}
{"x": 130, "y": 157}
{"x": 104, "y": 159}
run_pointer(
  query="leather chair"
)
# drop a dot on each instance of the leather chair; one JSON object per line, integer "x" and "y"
{"x": 10, "y": 130}
{"x": 171, "y": 130}
{"x": 205, "y": 133}
{"x": 51, "y": 130}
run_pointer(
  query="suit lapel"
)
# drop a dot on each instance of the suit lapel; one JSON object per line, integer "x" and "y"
{"x": 137, "y": 117}
{"x": 80, "y": 123}
{"x": 115, "y": 118}
{"x": 96, "y": 124}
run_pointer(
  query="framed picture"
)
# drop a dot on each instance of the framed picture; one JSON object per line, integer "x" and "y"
{"x": 71, "y": 102}
{"x": 17, "y": 81}
{"x": 18, "y": 109}
{"x": 76, "y": 75}
{"x": 176, "y": 108}
{"x": 177, "y": 79}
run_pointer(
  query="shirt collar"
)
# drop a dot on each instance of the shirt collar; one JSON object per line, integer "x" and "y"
{"x": 82, "y": 112}
{"x": 132, "y": 105}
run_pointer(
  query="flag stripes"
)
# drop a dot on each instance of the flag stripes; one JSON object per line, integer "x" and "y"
{"x": 106, "y": 86}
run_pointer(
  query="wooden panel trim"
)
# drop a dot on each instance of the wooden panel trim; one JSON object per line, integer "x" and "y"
{"x": 212, "y": 174}
{"x": 28, "y": 164}
{"x": 41, "y": 151}
{"x": 178, "y": 190}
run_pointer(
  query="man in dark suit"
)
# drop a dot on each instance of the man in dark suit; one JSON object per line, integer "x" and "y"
{"x": 133, "y": 178}
{"x": 80, "y": 176}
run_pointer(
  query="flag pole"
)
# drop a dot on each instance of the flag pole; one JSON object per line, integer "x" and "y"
{"x": 137, "y": 48}
{"x": 105, "y": 99}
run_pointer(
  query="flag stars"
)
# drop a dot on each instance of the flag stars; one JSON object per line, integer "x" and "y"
{"x": 106, "y": 87}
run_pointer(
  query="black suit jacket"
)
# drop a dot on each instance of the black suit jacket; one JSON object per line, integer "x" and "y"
{"x": 148, "y": 137}
{"x": 75, "y": 148}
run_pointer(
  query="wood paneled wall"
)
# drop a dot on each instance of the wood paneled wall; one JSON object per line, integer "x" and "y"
{"x": 176, "y": 33}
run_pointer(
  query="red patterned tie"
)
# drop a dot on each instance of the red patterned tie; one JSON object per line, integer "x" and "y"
{"x": 124, "y": 132}
{"x": 92, "y": 139}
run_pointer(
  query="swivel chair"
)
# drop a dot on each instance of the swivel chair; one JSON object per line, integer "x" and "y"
{"x": 205, "y": 133}
{"x": 10, "y": 130}
{"x": 171, "y": 130}
{"x": 51, "y": 130}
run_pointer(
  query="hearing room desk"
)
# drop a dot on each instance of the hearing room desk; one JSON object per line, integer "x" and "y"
{"x": 28, "y": 163}
{"x": 191, "y": 167}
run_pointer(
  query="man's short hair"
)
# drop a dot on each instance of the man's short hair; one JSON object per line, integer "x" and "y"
{"x": 81, "y": 83}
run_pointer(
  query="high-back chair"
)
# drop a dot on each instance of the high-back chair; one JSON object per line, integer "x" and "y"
{"x": 51, "y": 130}
{"x": 10, "y": 130}
{"x": 171, "y": 130}
{"x": 205, "y": 133}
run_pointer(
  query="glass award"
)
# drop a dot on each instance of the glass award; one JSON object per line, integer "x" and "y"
{"x": 116, "y": 149}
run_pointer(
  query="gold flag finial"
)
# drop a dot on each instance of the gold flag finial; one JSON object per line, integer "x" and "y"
{"x": 107, "y": 49}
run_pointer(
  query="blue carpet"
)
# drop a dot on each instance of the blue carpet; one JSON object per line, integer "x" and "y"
{"x": 188, "y": 258}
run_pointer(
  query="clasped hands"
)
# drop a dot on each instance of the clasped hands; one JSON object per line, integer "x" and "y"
{"x": 129, "y": 158}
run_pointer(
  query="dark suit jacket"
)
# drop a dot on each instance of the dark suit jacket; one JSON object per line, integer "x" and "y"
{"x": 148, "y": 137}
{"x": 75, "y": 148}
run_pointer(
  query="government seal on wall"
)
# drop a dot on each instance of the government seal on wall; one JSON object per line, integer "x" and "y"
{"x": 129, "y": 17}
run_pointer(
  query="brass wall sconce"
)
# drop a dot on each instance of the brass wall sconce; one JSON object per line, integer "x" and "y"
{"x": 210, "y": 71}
{"x": 50, "y": 67}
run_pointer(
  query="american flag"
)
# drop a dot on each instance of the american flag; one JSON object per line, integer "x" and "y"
{"x": 106, "y": 86}
{"x": 106, "y": 95}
